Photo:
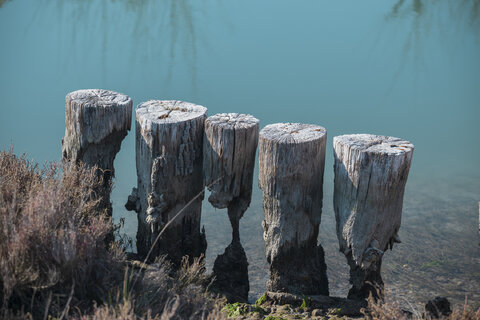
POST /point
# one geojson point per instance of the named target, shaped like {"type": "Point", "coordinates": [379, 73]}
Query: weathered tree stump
{"type": "Point", "coordinates": [169, 140]}
{"type": "Point", "coordinates": [292, 160]}
{"type": "Point", "coordinates": [229, 148]}
{"type": "Point", "coordinates": [96, 122]}
{"type": "Point", "coordinates": [370, 176]}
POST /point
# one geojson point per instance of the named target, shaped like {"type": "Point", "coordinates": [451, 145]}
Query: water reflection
{"type": "Point", "coordinates": [423, 16]}
{"type": "Point", "coordinates": [461, 10]}
{"type": "Point", "coordinates": [163, 31]}
{"type": "Point", "coordinates": [170, 23]}
{"type": "Point", "coordinates": [2, 2]}
{"type": "Point", "coordinates": [230, 272]}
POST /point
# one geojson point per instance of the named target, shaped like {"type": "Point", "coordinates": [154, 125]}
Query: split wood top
{"type": "Point", "coordinates": [292, 133]}
{"type": "Point", "coordinates": [99, 98]}
{"type": "Point", "coordinates": [233, 121]}
{"type": "Point", "coordinates": [168, 111]}
{"type": "Point", "coordinates": [92, 115]}
{"type": "Point", "coordinates": [374, 144]}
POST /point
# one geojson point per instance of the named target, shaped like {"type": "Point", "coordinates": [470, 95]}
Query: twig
{"type": "Point", "coordinates": [166, 226]}
{"type": "Point", "coordinates": [67, 306]}
{"type": "Point", "coordinates": [49, 300]}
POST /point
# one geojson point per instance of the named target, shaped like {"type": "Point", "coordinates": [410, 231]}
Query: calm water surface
{"type": "Point", "coordinates": [406, 68]}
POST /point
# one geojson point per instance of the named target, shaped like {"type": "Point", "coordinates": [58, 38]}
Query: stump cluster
{"type": "Point", "coordinates": [179, 151]}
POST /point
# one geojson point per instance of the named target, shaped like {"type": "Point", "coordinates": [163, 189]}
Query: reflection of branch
{"type": "Point", "coordinates": [423, 14]}
{"type": "Point", "coordinates": [458, 10]}
{"type": "Point", "coordinates": [171, 22]}
{"type": "Point", "coordinates": [159, 30]}
{"type": "Point", "coordinates": [2, 2]}
{"type": "Point", "coordinates": [396, 8]}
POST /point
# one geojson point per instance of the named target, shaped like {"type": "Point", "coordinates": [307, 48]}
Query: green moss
{"type": "Point", "coordinates": [260, 310]}
{"type": "Point", "coordinates": [261, 300]}
{"type": "Point", "coordinates": [274, 318]}
{"type": "Point", "coordinates": [235, 309]}
{"type": "Point", "coordinates": [335, 311]}
{"type": "Point", "coordinates": [306, 302]}
{"type": "Point", "coordinates": [238, 309]}
{"type": "Point", "coordinates": [431, 264]}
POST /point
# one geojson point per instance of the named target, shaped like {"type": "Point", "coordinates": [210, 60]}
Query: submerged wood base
{"type": "Point", "coordinates": [230, 272]}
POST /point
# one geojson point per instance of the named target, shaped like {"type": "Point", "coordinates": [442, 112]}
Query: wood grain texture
{"type": "Point", "coordinates": [169, 139]}
{"type": "Point", "coordinates": [292, 160]}
{"type": "Point", "coordinates": [96, 122]}
{"type": "Point", "coordinates": [370, 176]}
{"type": "Point", "coordinates": [229, 149]}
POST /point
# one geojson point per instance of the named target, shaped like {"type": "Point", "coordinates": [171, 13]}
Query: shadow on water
{"type": "Point", "coordinates": [230, 272]}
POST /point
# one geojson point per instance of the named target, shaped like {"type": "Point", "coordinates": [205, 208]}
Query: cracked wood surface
{"type": "Point", "coordinates": [229, 148]}
{"type": "Point", "coordinates": [292, 160]}
{"type": "Point", "coordinates": [169, 138]}
{"type": "Point", "coordinates": [370, 176]}
{"type": "Point", "coordinates": [96, 122]}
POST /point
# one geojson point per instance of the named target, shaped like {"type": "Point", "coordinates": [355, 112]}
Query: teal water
{"type": "Point", "coordinates": [406, 68]}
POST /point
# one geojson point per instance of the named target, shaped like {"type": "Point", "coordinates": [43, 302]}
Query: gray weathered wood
{"type": "Point", "coordinates": [292, 160]}
{"type": "Point", "coordinates": [229, 149]}
{"type": "Point", "coordinates": [370, 176]}
{"type": "Point", "coordinates": [96, 122]}
{"type": "Point", "coordinates": [169, 140]}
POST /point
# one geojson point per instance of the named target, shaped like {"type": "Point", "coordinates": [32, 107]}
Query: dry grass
{"type": "Point", "coordinates": [52, 237]}
{"type": "Point", "coordinates": [54, 259]}
{"type": "Point", "coordinates": [391, 310]}
{"type": "Point", "coordinates": [55, 262]}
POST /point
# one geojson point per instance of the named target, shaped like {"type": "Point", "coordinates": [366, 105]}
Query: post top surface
{"type": "Point", "coordinates": [293, 132]}
{"type": "Point", "coordinates": [374, 143]}
{"type": "Point", "coordinates": [169, 111]}
{"type": "Point", "coordinates": [233, 120]}
{"type": "Point", "coordinates": [98, 98]}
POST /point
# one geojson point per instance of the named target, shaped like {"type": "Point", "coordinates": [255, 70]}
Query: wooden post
{"type": "Point", "coordinates": [96, 122]}
{"type": "Point", "coordinates": [370, 176]}
{"type": "Point", "coordinates": [169, 139]}
{"type": "Point", "coordinates": [229, 148]}
{"type": "Point", "coordinates": [292, 160]}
